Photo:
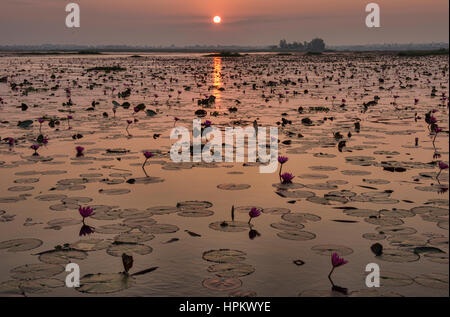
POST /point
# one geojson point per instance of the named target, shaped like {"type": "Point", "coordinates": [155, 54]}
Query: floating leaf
{"type": "Point", "coordinates": [224, 256]}
{"type": "Point", "coordinates": [105, 283]}
{"type": "Point", "coordinates": [231, 270]}
{"type": "Point", "coordinates": [19, 245]}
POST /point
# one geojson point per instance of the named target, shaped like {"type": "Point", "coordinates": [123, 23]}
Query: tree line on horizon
{"type": "Point", "coordinates": [315, 45]}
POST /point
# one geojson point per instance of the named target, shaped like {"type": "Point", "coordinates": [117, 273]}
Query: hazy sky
{"type": "Point", "coordinates": [245, 22]}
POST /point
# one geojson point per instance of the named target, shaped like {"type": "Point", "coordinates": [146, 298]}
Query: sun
{"type": "Point", "coordinates": [217, 19]}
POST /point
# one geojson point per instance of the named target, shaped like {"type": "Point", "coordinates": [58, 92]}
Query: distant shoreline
{"type": "Point", "coordinates": [218, 53]}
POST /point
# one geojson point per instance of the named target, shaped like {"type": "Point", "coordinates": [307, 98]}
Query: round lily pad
{"type": "Point", "coordinates": [231, 270]}
{"type": "Point", "coordinates": [287, 226]}
{"type": "Point", "coordinates": [398, 213]}
{"type": "Point", "coordinates": [196, 213]}
{"type": "Point", "coordinates": [395, 230]}
{"type": "Point", "coordinates": [50, 197]}
{"type": "Point", "coordinates": [232, 186]}
{"type": "Point", "coordinates": [276, 211]}
{"type": "Point", "coordinates": [38, 286]}
{"type": "Point", "coordinates": [295, 194]}
{"type": "Point", "coordinates": [148, 180]}
{"type": "Point", "coordinates": [399, 256]}
{"type": "Point", "coordinates": [105, 283]}
{"type": "Point", "coordinates": [114, 191]}
{"type": "Point", "coordinates": [36, 271]}
{"type": "Point", "coordinates": [133, 237]}
{"type": "Point", "coordinates": [113, 228]}
{"type": "Point", "coordinates": [329, 249]}
{"type": "Point", "coordinates": [62, 222]}
{"type": "Point", "coordinates": [300, 217]}
{"type": "Point", "coordinates": [376, 181]}
{"type": "Point", "coordinates": [160, 228]}
{"type": "Point", "coordinates": [90, 245]}
{"type": "Point", "coordinates": [433, 280]}
{"type": "Point", "coordinates": [224, 256]}
{"type": "Point", "coordinates": [162, 210]}
{"type": "Point", "coordinates": [117, 249]}
{"type": "Point", "coordinates": [374, 236]}
{"type": "Point", "coordinates": [139, 222]}
{"type": "Point", "coordinates": [194, 204]}
{"type": "Point", "coordinates": [63, 256]}
{"type": "Point", "coordinates": [443, 224]}
{"type": "Point", "coordinates": [394, 279]}
{"type": "Point", "coordinates": [19, 245]}
{"type": "Point", "coordinates": [361, 213]}
{"type": "Point", "coordinates": [296, 235]}
{"type": "Point", "coordinates": [384, 221]}
{"type": "Point", "coordinates": [229, 226]}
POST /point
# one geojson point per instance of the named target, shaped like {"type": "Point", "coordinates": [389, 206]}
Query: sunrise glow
{"type": "Point", "coordinates": [217, 19]}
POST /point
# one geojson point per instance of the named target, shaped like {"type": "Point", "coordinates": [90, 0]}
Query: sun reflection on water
{"type": "Point", "coordinates": [217, 80]}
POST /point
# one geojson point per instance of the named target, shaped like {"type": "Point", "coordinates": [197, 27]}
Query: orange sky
{"type": "Point", "coordinates": [252, 22]}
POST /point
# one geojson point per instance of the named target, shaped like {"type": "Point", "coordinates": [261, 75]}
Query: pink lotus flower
{"type": "Point", "coordinates": [433, 119]}
{"type": "Point", "coordinates": [35, 147]}
{"type": "Point", "coordinates": [10, 141]}
{"type": "Point", "coordinates": [128, 125]}
{"type": "Point", "coordinates": [437, 129]}
{"type": "Point", "coordinates": [253, 213]}
{"type": "Point", "coordinates": [207, 123]}
{"type": "Point", "coordinates": [336, 261]}
{"type": "Point", "coordinates": [41, 120]}
{"type": "Point", "coordinates": [136, 109]}
{"type": "Point", "coordinates": [442, 166]}
{"type": "Point", "coordinates": [147, 155]}
{"type": "Point", "coordinates": [85, 211]}
{"type": "Point", "coordinates": [282, 159]}
{"type": "Point", "coordinates": [286, 178]}
{"type": "Point", "coordinates": [79, 150]}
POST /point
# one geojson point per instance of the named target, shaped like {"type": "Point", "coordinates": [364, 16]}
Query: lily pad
{"type": "Point", "coordinates": [36, 271]}
{"type": "Point", "coordinates": [231, 186]}
{"type": "Point", "coordinates": [398, 256]}
{"type": "Point", "coordinates": [231, 270]}
{"type": "Point", "coordinates": [117, 249]}
{"type": "Point", "coordinates": [229, 226]}
{"type": "Point", "coordinates": [329, 249]}
{"type": "Point", "coordinates": [20, 245]}
{"type": "Point", "coordinates": [105, 283]}
{"type": "Point", "coordinates": [433, 280]}
{"type": "Point", "coordinates": [160, 229]}
{"type": "Point", "coordinates": [224, 256]}
{"type": "Point", "coordinates": [296, 235]}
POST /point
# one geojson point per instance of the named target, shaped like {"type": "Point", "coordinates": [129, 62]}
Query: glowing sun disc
{"type": "Point", "coordinates": [217, 19]}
